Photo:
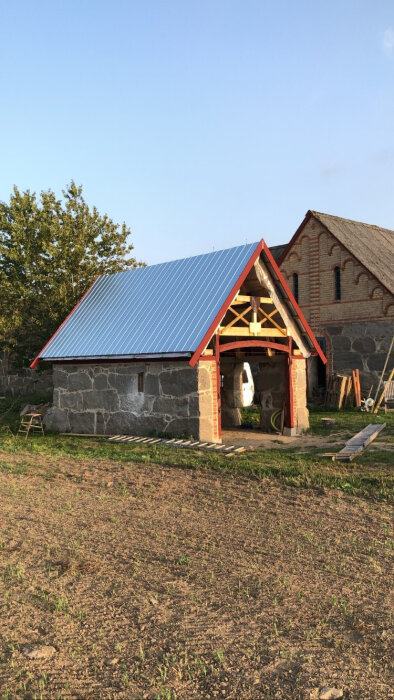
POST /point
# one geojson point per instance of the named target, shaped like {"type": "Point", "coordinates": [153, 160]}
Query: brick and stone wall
{"type": "Point", "coordinates": [359, 326]}
{"type": "Point", "coordinates": [362, 346]}
{"type": "Point", "coordinates": [104, 399]}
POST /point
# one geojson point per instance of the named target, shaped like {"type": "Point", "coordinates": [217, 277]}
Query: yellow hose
{"type": "Point", "coordinates": [274, 416]}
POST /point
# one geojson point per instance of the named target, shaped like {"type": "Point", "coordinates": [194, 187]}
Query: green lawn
{"type": "Point", "coordinates": [370, 475]}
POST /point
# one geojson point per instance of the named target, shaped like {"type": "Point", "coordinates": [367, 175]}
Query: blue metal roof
{"type": "Point", "coordinates": [159, 309]}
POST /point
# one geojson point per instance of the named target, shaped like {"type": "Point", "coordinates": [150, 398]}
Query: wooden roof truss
{"type": "Point", "coordinates": [252, 320]}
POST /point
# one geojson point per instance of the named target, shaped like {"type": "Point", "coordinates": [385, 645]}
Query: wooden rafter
{"type": "Point", "coordinates": [239, 317]}
{"type": "Point", "coordinates": [268, 317]}
{"type": "Point", "coordinates": [252, 327]}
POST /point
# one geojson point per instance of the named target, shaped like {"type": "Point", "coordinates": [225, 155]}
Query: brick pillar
{"type": "Point", "coordinates": [208, 401]}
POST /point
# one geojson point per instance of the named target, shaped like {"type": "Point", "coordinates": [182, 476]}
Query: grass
{"type": "Point", "coordinates": [370, 475]}
{"type": "Point", "coordinates": [158, 572]}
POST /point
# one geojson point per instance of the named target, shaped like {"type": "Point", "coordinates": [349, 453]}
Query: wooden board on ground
{"type": "Point", "coordinates": [357, 443]}
{"type": "Point", "coordinates": [228, 450]}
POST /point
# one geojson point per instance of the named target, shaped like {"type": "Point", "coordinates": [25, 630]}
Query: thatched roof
{"type": "Point", "coordinates": [372, 246]}
{"type": "Point", "coordinates": [277, 250]}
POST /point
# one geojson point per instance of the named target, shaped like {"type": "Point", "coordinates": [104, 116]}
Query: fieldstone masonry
{"type": "Point", "coordinates": [362, 346]}
{"type": "Point", "coordinates": [24, 382]}
{"type": "Point", "coordinates": [104, 399]}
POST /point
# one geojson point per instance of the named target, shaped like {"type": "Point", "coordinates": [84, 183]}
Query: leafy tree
{"type": "Point", "coordinates": [51, 250]}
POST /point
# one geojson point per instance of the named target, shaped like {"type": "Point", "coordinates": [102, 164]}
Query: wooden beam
{"type": "Point", "coordinates": [245, 298]}
{"type": "Point", "coordinates": [264, 332]}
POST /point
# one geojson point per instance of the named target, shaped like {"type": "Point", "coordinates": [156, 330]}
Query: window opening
{"type": "Point", "coordinates": [141, 381]}
{"type": "Point", "coordinates": [295, 286]}
{"type": "Point", "coordinates": [337, 283]}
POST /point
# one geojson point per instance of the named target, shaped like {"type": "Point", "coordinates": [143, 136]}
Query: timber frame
{"type": "Point", "coordinates": [256, 322]}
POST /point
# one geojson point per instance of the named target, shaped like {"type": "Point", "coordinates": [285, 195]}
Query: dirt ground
{"type": "Point", "coordinates": [154, 582]}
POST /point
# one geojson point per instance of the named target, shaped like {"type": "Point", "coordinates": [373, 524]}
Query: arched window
{"type": "Point", "coordinates": [295, 286]}
{"type": "Point", "coordinates": [337, 283]}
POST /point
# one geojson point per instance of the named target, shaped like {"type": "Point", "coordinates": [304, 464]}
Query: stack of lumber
{"type": "Point", "coordinates": [356, 387]}
{"type": "Point", "coordinates": [343, 390]}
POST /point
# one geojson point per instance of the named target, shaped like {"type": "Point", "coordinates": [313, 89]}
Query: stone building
{"type": "Point", "coordinates": [159, 349]}
{"type": "Point", "coordinates": [342, 274]}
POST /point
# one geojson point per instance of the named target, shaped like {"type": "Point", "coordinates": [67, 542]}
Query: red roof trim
{"type": "Point", "coordinates": [38, 358]}
{"type": "Point", "coordinates": [293, 302]}
{"type": "Point", "coordinates": [208, 335]}
{"type": "Point", "coordinates": [262, 247]}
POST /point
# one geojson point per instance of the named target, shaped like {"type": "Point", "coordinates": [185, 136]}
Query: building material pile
{"type": "Point", "coordinates": [343, 391]}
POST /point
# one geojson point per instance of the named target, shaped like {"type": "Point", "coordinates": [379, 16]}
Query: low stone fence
{"type": "Point", "coordinates": [25, 382]}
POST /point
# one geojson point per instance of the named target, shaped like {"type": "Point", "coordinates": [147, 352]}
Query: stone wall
{"type": "Point", "coordinates": [104, 399]}
{"type": "Point", "coordinates": [25, 382]}
{"type": "Point", "coordinates": [360, 346]}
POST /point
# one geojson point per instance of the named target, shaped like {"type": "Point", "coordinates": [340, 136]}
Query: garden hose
{"type": "Point", "coordinates": [274, 417]}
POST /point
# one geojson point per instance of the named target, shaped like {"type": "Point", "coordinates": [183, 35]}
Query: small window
{"type": "Point", "coordinates": [244, 376]}
{"type": "Point", "coordinates": [141, 378]}
{"type": "Point", "coordinates": [337, 283]}
{"type": "Point", "coordinates": [295, 286]}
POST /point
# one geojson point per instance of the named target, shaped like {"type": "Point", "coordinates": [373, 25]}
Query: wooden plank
{"type": "Point", "coordinates": [359, 442]}
{"type": "Point", "coordinates": [376, 409]}
{"type": "Point", "coordinates": [263, 333]}
{"type": "Point", "coordinates": [244, 298]}
{"type": "Point", "coordinates": [342, 390]}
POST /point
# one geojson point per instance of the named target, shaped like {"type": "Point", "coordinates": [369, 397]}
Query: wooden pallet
{"type": "Point", "coordinates": [357, 444]}
{"type": "Point", "coordinates": [227, 450]}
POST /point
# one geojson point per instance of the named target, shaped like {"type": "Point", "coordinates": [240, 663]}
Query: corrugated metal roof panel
{"type": "Point", "coordinates": [164, 308]}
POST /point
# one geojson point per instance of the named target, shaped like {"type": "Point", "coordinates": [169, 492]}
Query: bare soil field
{"type": "Point", "coordinates": [154, 581]}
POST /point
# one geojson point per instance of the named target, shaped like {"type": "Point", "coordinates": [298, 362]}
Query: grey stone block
{"type": "Point", "coordinates": [171, 406]}
{"type": "Point", "coordinates": [82, 422]}
{"type": "Point", "coordinates": [79, 380]}
{"type": "Point", "coordinates": [101, 423]}
{"type": "Point", "coordinates": [133, 403]}
{"type": "Point", "coordinates": [347, 360]}
{"type": "Point", "coordinates": [123, 383]}
{"type": "Point", "coordinates": [179, 382]}
{"type": "Point", "coordinates": [335, 330]}
{"type": "Point", "coordinates": [123, 423]}
{"type": "Point", "coordinates": [71, 399]}
{"type": "Point", "coordinates": [364, 345]}
{"type": "Point", "coordinates": [57, 420]}
{"type": "Point", "coordinates": [100, 381]}
{"type": "Point", "coordinates": [152, 384]}
{"type": "Point", "coordinates": [194, 405]}
{"type": "Point", "coordinates": [376, 362]}
{"type": "Point", "coordinates": [183, 426]}
{"type": "Point", "coordinates": [60, 378]}
{"type": "Point", "coordinates": [106, 399]}
{"type": "Point", "coordinates": [341, 343]}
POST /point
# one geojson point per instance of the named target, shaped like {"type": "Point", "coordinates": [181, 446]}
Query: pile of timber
{"type": "Point", "coordinates": [343, 390]}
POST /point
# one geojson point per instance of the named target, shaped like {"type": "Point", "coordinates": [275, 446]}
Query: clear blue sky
{"type": "Point", "coordinates": [202, 123]}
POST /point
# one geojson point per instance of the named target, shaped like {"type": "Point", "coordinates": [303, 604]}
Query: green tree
{"type": "Point", "coordinates": [51, 250]}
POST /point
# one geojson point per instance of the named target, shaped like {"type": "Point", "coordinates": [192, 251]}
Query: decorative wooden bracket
{"type": "Point", "coordinates": [256, 321]}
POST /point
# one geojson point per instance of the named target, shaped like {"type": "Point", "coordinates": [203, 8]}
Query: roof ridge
{"type": "Point", "coordinates": [351, 221]}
